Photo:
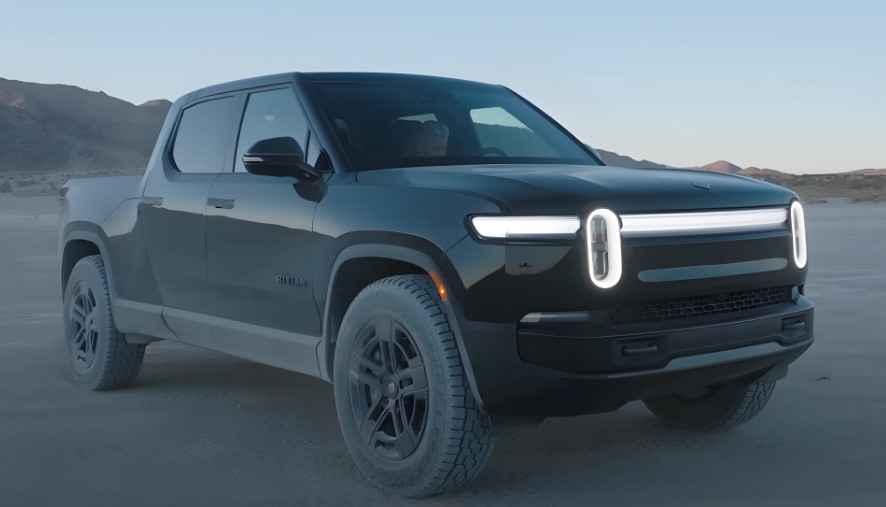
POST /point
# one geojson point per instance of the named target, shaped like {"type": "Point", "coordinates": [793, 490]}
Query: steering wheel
{"type": "Point", "coordinates": [498, 152]}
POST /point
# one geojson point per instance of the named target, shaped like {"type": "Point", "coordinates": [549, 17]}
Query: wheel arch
{"type": "Point", "coordinates": [82, 240]}
{"type": "Point", "coordinates": [359, 265]}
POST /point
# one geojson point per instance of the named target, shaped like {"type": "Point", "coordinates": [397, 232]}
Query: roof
{"type": "Point", "coordinates": [288, 77]}
{"type": "Point", "coordinates": [253, 82]}
{"type": "Point", "coordinates": [377, 76]}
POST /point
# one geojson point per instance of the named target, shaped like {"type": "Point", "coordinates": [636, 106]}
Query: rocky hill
{"type": "Point", "coordinates": [614, 159]}
{"type": "Point", "coordinates": [59, 127]}
{"type": "Point", "coordinates": [866, 185]}
{"type": "Point", "coordinates": [721, 166]}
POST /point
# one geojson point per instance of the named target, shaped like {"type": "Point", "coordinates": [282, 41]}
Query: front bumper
{"type": "Point", "coordinates": [542, 372]}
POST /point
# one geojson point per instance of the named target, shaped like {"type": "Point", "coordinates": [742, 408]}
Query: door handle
{"type": "Point", "coordinates": [152, 201]}
{"type": "Point", "coordinates": [220, 203]}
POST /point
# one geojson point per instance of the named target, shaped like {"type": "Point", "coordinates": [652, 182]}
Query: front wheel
{"type": "Point", "coordinates": [405, 408]}
{"type": "Point", "coordinates": [716, 408]}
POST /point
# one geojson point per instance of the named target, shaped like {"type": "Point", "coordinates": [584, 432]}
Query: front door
{"type": "Point", "coordinates": [258, 244]}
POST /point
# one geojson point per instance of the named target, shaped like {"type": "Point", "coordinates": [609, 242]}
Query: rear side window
{"type": "Point", "coordinates": [274, 113]}
{"type": "Point", "coordinates": [202, 136]}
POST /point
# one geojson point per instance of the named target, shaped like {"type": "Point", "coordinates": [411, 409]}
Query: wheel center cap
{"type": "Point", "coordinates": [391, 388]}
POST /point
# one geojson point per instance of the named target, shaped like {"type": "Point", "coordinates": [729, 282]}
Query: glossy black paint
{"type": "Point", "coordinates": [577, 190]}
{"type": "Point", "coordinates": [197, 257]}
{"type": "Point", "coordinates": [267, 233]}
{"type": "Point", "coordinates": [745, 350]}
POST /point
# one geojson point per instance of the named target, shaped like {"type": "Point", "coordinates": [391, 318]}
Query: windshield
{"type": "Point", "coordinates": [424, 122]}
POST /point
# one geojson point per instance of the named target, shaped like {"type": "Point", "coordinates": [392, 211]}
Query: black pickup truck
{"type": "Point", "coordinates": [445, 254]}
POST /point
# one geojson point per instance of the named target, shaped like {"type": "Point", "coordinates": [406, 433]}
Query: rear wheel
{"type": "Point", "coordinates": [405, 408]}
{"type": "Point", "coordinates": [99, 356]}
{"type": "Point", "coordinates": [716, 408]}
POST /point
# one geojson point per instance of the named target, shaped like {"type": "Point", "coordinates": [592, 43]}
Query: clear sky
{"type": "Point", "coordinates": [796, 86]}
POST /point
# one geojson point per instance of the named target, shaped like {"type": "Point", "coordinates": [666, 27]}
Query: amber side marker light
{"type": "Point", "coordinates": [439, 283]}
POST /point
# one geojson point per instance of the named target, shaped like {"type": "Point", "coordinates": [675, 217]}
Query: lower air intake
{"type": "Point", "coordinates": [699, 306]}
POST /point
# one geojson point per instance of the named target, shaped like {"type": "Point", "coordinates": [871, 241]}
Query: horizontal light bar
{"type": "Point", "coordinates": [703, 221]}
{"type": "Point", "coordinates": [541, 227]}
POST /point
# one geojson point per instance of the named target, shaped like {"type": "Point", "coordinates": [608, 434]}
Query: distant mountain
{"type": "Point", "coordinates": [59, 127]}
{"type": "Point", "coordinates": [721, 166]}
{"type": "Point", "coordinates": [756, 171]}
{"type": "Point", "coordinates": [614, 159]}
{"type": "Point", "coordinates": [870, 171]}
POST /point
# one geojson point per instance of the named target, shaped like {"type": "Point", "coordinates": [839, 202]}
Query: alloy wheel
{"type": "Point", "coordinates": [388, 389]}
{"type": "Point", "coordinates": [84, 328]}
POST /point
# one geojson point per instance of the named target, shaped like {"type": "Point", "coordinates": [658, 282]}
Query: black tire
{"type": "Point", "coordinates": [99, 356]}
{"type": "Point", "coordinates": [720, 408]}
{"type": "Point", "coordinates": [404, 316]}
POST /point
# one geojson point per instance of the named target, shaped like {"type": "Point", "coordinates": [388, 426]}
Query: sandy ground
{"type": "Point", "coordinates": [202, 428]}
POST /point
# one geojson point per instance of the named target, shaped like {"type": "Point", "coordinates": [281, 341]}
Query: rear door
{"type": "Point", "coordinates": [258, 243]}
{"type": "Point", "coordinates": [171, 211]}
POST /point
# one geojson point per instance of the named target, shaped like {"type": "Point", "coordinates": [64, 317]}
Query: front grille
{"type": "Point", "coordinates": [699, 306]}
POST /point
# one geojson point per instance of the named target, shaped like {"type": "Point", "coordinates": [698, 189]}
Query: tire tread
{"type": "Point", "coordinates": [748, 401]}
{"type": "Point", "coordinates": [467, 443]}
{"type": "Point", "coordinates": [122, 361]}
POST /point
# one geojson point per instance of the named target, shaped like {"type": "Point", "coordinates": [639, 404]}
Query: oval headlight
{"type": "Point", "coordinates": [798, 234]}
{"type": "Point", "coordinates": [604, 248]}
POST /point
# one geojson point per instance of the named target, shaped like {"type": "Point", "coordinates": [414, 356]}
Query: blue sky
{"type": "Point", "coordinates": [796, 86]}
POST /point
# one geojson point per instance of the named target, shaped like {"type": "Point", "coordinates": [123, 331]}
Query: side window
{"type": "Point", "coordinates": [500, 133]}
{"type": "Point", "coordinates": [274, 113]}
{"type": "Point", "coordinates": [201, 139]}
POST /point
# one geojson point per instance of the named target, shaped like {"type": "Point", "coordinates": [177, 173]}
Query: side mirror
{"type": "Point", "coordinates": [279, 156]}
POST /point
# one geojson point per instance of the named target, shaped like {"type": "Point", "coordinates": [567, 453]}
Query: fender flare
{"type": "Point", "coordinates": [86, 231]}
{"type": "Point", "coordinates": [447, 276]}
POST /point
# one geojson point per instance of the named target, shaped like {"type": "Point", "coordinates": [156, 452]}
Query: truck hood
{"type": "Point", "coordinates": [561, 189]}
